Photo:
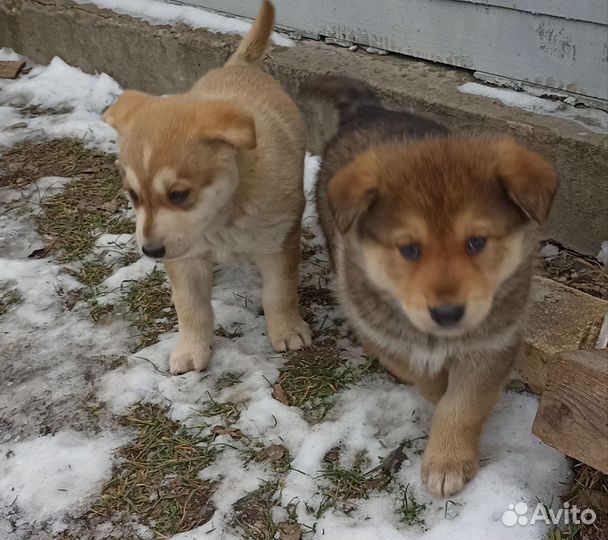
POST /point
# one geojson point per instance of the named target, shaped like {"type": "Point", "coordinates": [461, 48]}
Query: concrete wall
{"type": "Point", "coordinates": [163, 59]}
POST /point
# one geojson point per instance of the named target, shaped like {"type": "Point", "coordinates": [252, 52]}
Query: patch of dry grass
{"type": "Point", "coordinates": [229, 411]}
{"type": "Point", "coordinates": [100, 311]}
{"type": "Point", "coordinates": [157, 477]}
{"type": "Point", "coordinates": [276, 454]}
{"type": "Point", "coordinates": [76, 217]}
{"type": "Point", "coordinates": [317, 302]}
{"type": "Point", "coordinates": [343, 485]}
{"type": "Point", "coordinates": [590, 490]}
{"type": "Point", "coordinates": [236, 331]}
{"type": "Point", "coordinates": [312, 376]}
{"type": "Point", "coordinates": [253, 514]}
{"type": "Point", "coordinates": [26, 162]}
{"type": "Point", "coordinates": [410, 510]}
{"type": "Point", "coordinates": [150, 301]}
{"type": "Point", "coordinates": [92, 273]}
{"type": "Point", "coordinates": [227, 379]}
{"type": "Point", "coordinates": [87, 207]}
{"type": "Point", "coordinates": [9, 297]}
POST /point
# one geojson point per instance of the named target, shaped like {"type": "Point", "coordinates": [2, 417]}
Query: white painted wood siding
{"type": "Point", "coordinates": [561, 44]}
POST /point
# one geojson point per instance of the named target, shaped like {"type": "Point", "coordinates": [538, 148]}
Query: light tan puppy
{"type": "Point", "coordinates": [215, 173]}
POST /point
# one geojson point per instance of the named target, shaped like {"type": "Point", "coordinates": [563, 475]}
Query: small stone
{"type": "Point", "coordinates": [289, 531]}
{"type": "Point", "coordinates": [516, 386]}
{"type": "Point", "coordinates": [274, 452]}
{"type": "Point", "coordinates": [549, 250]}
{"type": "Point", "coordinates": [332, 456]}
{"type": "Point", "coordinates": [375, 50]}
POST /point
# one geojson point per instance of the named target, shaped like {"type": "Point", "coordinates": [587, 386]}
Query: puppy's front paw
{"type": "Point", "coordinates": [189, 356]}
{"type": "Point", "coordinates": [289, 333]}
{"type": "Point", "coordinates": [445, 475]}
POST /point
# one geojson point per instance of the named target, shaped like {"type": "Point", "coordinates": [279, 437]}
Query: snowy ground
{"type": "Point", "coordinates": [68, 383]}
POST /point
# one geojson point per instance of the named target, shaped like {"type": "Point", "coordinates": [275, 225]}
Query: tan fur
{"type": "Point", "coordinates": [253, 46]}
{"type": "Point", "coordinates": [235, 143]}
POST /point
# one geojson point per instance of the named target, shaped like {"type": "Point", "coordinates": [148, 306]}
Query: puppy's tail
{"type": "Point", "coordinates": [252, 48]}
{"type": "Point", "coordinates": [348, 95]}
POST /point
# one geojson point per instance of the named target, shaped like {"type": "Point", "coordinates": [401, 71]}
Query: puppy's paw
{"type": "Point", "coordinates": [289, 333]}
{"type": "Point", "coordinates": [189, 356]}
{"type": "Point", "coordinates": [444, 476]}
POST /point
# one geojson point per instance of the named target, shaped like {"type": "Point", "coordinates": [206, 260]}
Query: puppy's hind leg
{"type": "Point", "coordinates": [191, 281]}
{"type": "Point", "coordinates": [286, 328]}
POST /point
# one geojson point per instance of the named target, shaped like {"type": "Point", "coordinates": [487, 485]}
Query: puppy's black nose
{"type": "Point", "coordinates": [447, 315]}
{"type": "Point", "coordinates": [155, 253]}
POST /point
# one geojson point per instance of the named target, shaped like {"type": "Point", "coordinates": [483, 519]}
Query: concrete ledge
{"type": "Point", "coordinates": [167, 59]}
{"type": "Point", "coordinates": [561, 320]}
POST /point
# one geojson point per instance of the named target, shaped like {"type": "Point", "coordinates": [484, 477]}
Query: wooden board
{"type": "Point", "coordinates": [11, 69]}
{"type": "Point", "coordinates": [573, 412]}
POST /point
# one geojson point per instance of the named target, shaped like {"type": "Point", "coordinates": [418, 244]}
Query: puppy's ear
{"type": "Point", "coordinates": [527, 178]}
{"type": "Point", "coordinates": [219, 121]}
{"type": "Point", "coordinates": [351, 191]}
{"type": "Point", "coordinates": [120, 115]}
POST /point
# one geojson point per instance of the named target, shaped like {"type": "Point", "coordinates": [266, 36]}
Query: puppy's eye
{"type": "Point", "coordinates": [411, 252]}
{"type": "Point", "coordinates": [475, 245]}
{"type": "Point", "coordinates": [133, 196]}
{"type": "Point", "coordinates": [178, 197]}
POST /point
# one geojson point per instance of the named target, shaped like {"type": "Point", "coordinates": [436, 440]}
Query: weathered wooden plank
{"type": "Point", "coordinates": [10, 69]}
{"type": "Point", "coordinates": [561, 319]}
{"type": "Point", "coordinates": [573, 412]}
{"type": "Point", "coordinates": [518, 41]}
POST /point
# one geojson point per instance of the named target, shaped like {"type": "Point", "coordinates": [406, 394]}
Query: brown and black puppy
{"type": "Point", "coordinates": [433, 239]}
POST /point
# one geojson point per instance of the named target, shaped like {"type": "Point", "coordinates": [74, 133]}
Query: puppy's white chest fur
{"type": "Point", "coordinates": [419, 357]}
{"type": "Point", "coordinates": [247, 238]}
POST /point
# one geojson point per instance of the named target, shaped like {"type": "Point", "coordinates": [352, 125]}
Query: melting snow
{"type": "Point", "coordinates": [593, 119]}
{"type": "Point", "coordinates": [163, 13]}
{"type": "Point", "coordinates": [75, 98]}
{"type": "Point", "coordinates": [47, 475]}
